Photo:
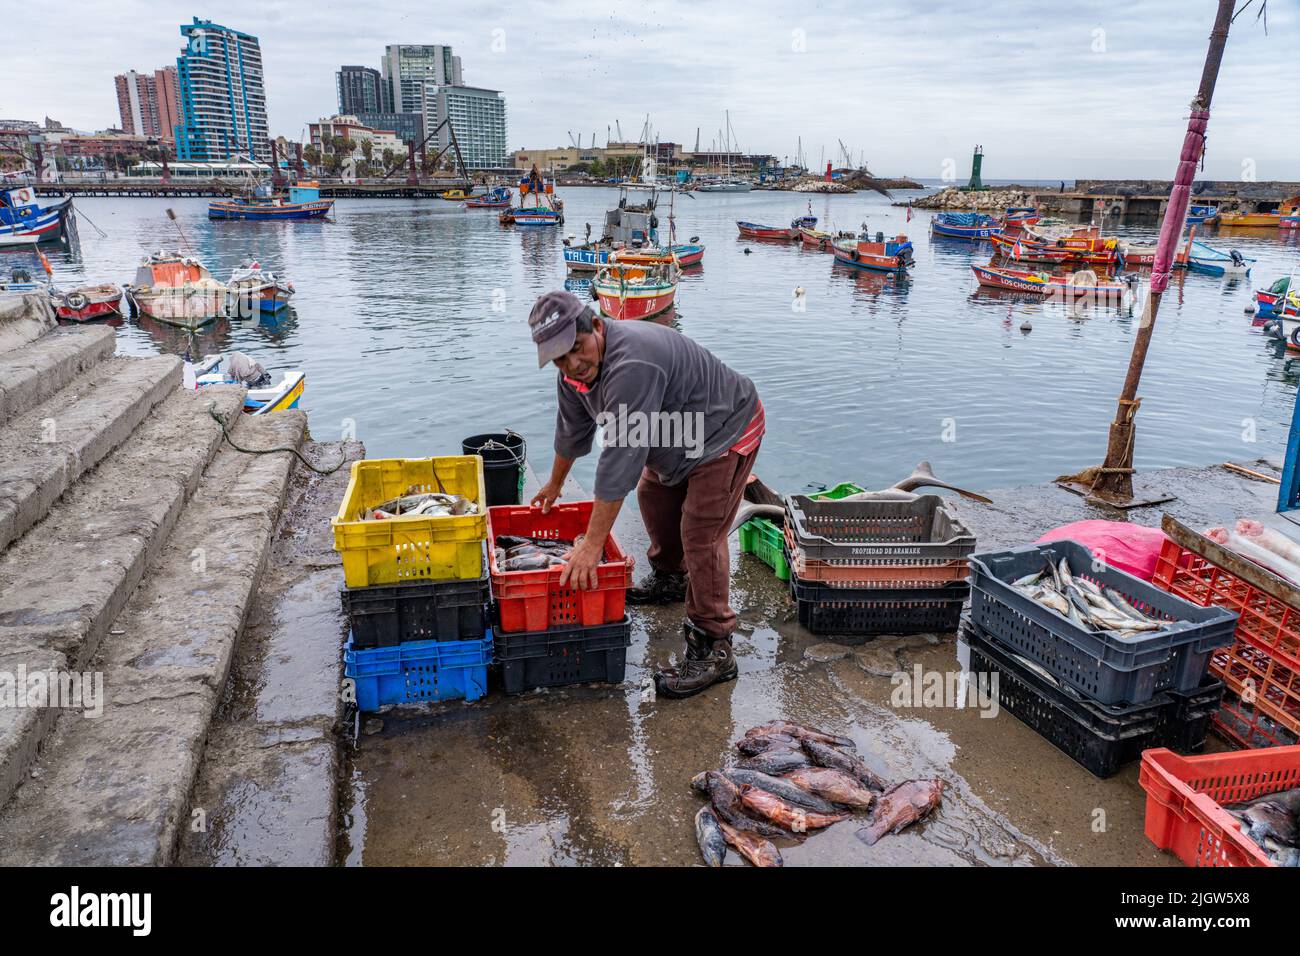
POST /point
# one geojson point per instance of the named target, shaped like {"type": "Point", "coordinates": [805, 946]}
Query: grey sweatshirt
{"type": "Point", "coordinates": [662, 400]}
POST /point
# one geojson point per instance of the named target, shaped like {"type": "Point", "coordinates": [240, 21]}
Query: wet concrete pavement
{"type": "Point", "coordinates": [599, 775]}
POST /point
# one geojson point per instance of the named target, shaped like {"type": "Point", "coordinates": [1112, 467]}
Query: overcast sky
{"type": "Point", "coordinates": [1051, 89]}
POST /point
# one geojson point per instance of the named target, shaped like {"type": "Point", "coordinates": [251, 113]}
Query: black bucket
{"type": "Point", "coordinates": [503, 454]}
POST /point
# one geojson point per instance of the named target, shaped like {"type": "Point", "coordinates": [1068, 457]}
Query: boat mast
{"type": "Point", "coordinates": [1114, 480]}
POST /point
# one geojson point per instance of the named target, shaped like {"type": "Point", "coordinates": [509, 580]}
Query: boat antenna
{"type": "Point", "coordinates": [171, 214]}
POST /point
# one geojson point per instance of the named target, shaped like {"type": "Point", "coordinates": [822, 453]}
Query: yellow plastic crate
{"type": "Point", "coordinates": [419, 548]}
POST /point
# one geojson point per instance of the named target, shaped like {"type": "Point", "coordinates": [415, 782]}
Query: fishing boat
{"type": "Point", "coordinates": [724, 186]}
{"type": "Point", "coordinates": [303, 202]}
{"type": "Point", "coordinates": [636, 289]}
{"type": "Point", "coordinates": [754, 230]}
{"type": "Point", "coordinates": [820, 239]}
{"type": "Point", "coordinates": [688, 253]}
{"type": "Point", "coordinates": [545, 209]}
{"type": "Point", "coordinates": [496, 198]}
{"type": "Point", "coordinates": [88, 302]}
{"type": "Point", "coordinates": [1278, 299]}
{"type": "Point", "coordinates": [1201, 214]}
{"type": "Point", "coordinates": [964, 225]}
{"type": "Point", "coordinates": [1081, 283]}
{"type": "Point", "coordinates": [253, 290]}
{"type": "Point", "coordinates": [632, 223]}
{"type": "Point", "coordinates": [264, 395]}
{"type": "Point", "coordinates": [1018, 217]}
{"type": "Point", "coordinates": [1136, 254]}
{"type": "Point", "coordinates": [24, 221]}
{"type": "Point", "coordinates": [878, 255]}
{"type": "Point", "coordinates": [1079, 246]}
{"type": "Point", "coordinates": [457, 195]}
{"type": "Point", "coordinates": [177, 290]}
{"type": "Point", "coordinates": [1214, 262]}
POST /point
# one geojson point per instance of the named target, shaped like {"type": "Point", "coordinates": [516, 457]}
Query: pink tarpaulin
{"type": "Point", "coordinates": [1128, 547]}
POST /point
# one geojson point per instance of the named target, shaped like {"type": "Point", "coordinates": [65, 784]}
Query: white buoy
{"type": "Point", "coordinates": [1026, 326]}
{"type": "Point", "coordinates": [1250, 309]}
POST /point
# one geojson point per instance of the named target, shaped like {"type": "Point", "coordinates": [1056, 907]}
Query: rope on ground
{"type": "Point", "coordinates": [212, 410]}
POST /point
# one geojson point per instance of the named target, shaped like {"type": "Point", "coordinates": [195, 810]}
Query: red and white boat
{"type": "Point", "coordinates": [88, 302]}
{"type": "Point", "coordinates": [886, 255]}
{"type": "Point", "coordinates": [1079, 284]}
{"type": "Point", "coordinates": [639, 287]}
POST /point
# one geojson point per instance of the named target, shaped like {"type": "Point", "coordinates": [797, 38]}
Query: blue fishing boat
{"type": "Point", "coordinates": [1199, 214]}
{"type": "Point", "coordinates": [964, 225]}
{"type": "Point", "coordinates": [24, 221]}
{"type": "Point", "coordinates": [303, 202]}
{"type": "Point", "coordinates": [1214, 262]}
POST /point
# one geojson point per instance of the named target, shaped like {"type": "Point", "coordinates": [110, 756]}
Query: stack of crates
{"type": "Point", "coordinates": [416, 589]}
{"type": "Point", "coordinates": [863, 568]}
{"type": "Point", "coordinates": [1100, 698]}
{"type": "Point", "coordinates": [546, 635]}
{"type": "Point", "coordinates": [765, 538]}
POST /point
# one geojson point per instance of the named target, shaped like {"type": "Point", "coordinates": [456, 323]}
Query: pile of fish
{"type": "Point", "coordinates": [1273, 821]}
{"type": "Point", "coordinates": [514, 553]}
{"type": "Point", "coordinates": [793, 780]}
{"type": "Point", "coordinates": [1265, 546]}
{"type": "Point", "coordinates": [430, 504]}
{"type": "Point", "coordinates": [1086, 604]}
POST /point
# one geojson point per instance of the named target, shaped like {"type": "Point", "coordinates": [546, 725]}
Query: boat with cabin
{"type": "Point", "coordinates": [545, 208]}
{"type": "Point", "coordinates": [874, 255]}
{"type": "Point", "coordinates": [302, 202]}
{"type": "Point", "coordinates": [176, 289]}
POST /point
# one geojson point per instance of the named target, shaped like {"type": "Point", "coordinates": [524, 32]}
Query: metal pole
{"type": "Point", "coordinates": [1115, 477]}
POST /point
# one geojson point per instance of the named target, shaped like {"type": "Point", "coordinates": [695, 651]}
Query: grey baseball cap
{"type": "Point", "coordinates": [554, 324]}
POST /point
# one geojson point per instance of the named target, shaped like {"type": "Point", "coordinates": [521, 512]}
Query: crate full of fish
{"type": "Point", "coordinates": [1229, 809]}
{"type": "Point", "coordinates": [1262, 666]}
{"type": "Point", "coordinates": [864, 612]}
{"type": "Point", "coordinates": [412, 519]}
{"type": "Point", "coordinates": [527, 551]}
{"type": "Point", "coordinates": [877, 532]}
{"type": "Point", "coordinates": [385, 615]}
{"type": "Point", "coordinates": [1109, 635]}
{"type": "Point", "coordinates": [563, 655]}
{"type": "Point", "coordinates": [418, 671]}
{"type": "Point", "coordinates": [1102, 738]}
{"type": "Point", "coordinates": [868, 574]}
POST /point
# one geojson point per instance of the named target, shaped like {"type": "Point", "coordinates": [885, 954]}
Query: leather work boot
{"type": "Point", "coordinates": [659, 587]}
{"type": "Point", "coordinates": [695, 674]}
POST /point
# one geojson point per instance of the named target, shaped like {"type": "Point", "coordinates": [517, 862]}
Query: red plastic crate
{"type": "Point", "coordinates": [534, 600]}
{"type": "Point", "coordinates": [1262, 667]}
{"type": "Point", "coordinates": [1186, 795]}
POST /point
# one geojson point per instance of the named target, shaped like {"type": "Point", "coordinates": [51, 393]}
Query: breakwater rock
{"type": "Point", "coordinates": [987, 200]}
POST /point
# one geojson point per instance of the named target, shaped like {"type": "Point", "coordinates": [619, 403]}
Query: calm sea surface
{"type": "Point", "coordinates": [410, 321]}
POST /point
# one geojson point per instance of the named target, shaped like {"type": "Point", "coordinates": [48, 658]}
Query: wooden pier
{"type": "Point", "coordinates": [153, 189]}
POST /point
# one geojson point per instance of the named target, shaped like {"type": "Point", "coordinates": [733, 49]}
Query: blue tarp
{"type": "Point", "coordinates": [965, 219]}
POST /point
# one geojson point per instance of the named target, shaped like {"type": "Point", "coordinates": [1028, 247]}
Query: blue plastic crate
{"type": "Point", "coordinates": [418, 671]}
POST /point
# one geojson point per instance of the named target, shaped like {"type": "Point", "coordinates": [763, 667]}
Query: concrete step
{"type": "Point", "coordinates": [24, 318]}
{"type": "Point", "coordinates": [113, 789]}
{"type": "Point", "coordinates": [34, 372]}
{"type": "Point", "coordinates": [44, 450]}
{"type": "Point", "coordinates": [67, 578]}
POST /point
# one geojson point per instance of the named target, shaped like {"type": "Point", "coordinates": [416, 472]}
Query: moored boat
{"type": "Point", "coordinates": [1082, 283]}
{"type": "Point", "coordinates": [546, 209]}
{"type": "Point", "coordinates": [688, 253]}
{"type": "Point", "coordinates": [1084, 245]}
{"type": "Point", "coordinates": [303, 202]}
{"type": "Point", "coordinates": [636, 289]}
{"type": "Point", "coordinates": [264, 394]}
{"type": "Point", "coordinates": [1201, 214]}
{"type": "Point", "coordinates": [24, 221]}
{"type": "Point", "coordinates": [879, 255]}
{"type": "Point", "coordinates": [1215, 262]}
{"type": "Point", "coordinates": [88, 302]}
{"type": "Point", "coordinates": [1278, 299]}
{"type": "Point", "coordinates": [820, 239]}
{"type": "Point", "coordinates": [754, 230]}
{"type": "Point", "coordinates": [964, 225]}
{"type": "Point", "coordinates": [177, 290]}
{"type": "Point", "coordinates": [496, 198]}
{"type": "Point", "coordinates": [253, 290]}
{"type": "Point", "coordinates": [631, 224]}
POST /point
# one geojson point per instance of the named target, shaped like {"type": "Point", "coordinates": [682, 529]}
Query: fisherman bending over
{"type": "Point", "coordinates": [681, 428]}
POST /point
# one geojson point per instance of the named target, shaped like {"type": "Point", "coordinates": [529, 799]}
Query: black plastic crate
{"type": "Point", "coordinates": [563, 655]}
{"type": "Point", "coordinates": [1099, 737]}
{"type": "Point", "coordinates": [425, 611]}
{"type": "Point", "coordinates": [864, 612]}
{"type": "Point", "coordinates": [922, 531]}
{"type": "Point", "coordinates": [1100, 664]}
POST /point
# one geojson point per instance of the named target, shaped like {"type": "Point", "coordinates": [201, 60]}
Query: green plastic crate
{"type": "Point", "coordinates": [765, 540]}
{"type": "Point", "coordinates": [842, 490]}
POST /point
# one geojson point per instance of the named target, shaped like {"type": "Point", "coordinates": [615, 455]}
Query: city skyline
{"type": "Point", "coordinates": [909, 91]}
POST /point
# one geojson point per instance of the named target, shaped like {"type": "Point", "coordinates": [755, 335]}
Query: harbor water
{"type": "Point", "coordinates": [410, 321]}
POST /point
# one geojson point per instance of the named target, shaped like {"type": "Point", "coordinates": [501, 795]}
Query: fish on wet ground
{"type": "Point", "coordinates": [751, 846]}
{"type": "Point", "coordinates": [725, 797]}
{"type": "Point", "coordinates": [799, 732]}
{"type": "Point", "coordinates": [783, 788]}
{"type": "Point", "coordinates": [834, 759]}
{"type": "Point", "coordinates": [708, 833]}
{"type": "Point", "coordinates": [775, 761]}
{"type": "Point", "coordinates": [835, 786]}
{"type": "Point", "coordinates": [900, 806]}
{"type": "Point", "coordinates": [749, 746]}
{"type": "Point", "coordinates": [768, 806]}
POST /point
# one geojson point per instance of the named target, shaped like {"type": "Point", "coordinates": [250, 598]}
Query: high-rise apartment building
{"type": "Point", "coordinates": [407, 68]}
{"type": "Point", "coordinates": [479, 118]}
{"type": "Point", "coordinates": [222, 95]}
{"type": "Point", "coordinates": [149, 104]}
{"type": "Point", "coordinates": [361, 89]}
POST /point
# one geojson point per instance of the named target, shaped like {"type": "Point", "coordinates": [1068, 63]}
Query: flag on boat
{"type": "Point", "coordinates": [1016, 250]}
{"type": "Point", "coordinates": [909, 211]}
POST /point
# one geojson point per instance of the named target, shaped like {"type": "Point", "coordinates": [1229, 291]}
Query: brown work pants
{"type": "Point", "coordinates": [688, 524]}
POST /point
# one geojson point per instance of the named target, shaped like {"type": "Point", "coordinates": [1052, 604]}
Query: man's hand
{"type": "Point", "coordinates": [546, 496]}
{"type": "Point", "coordinates": [580, 572]}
